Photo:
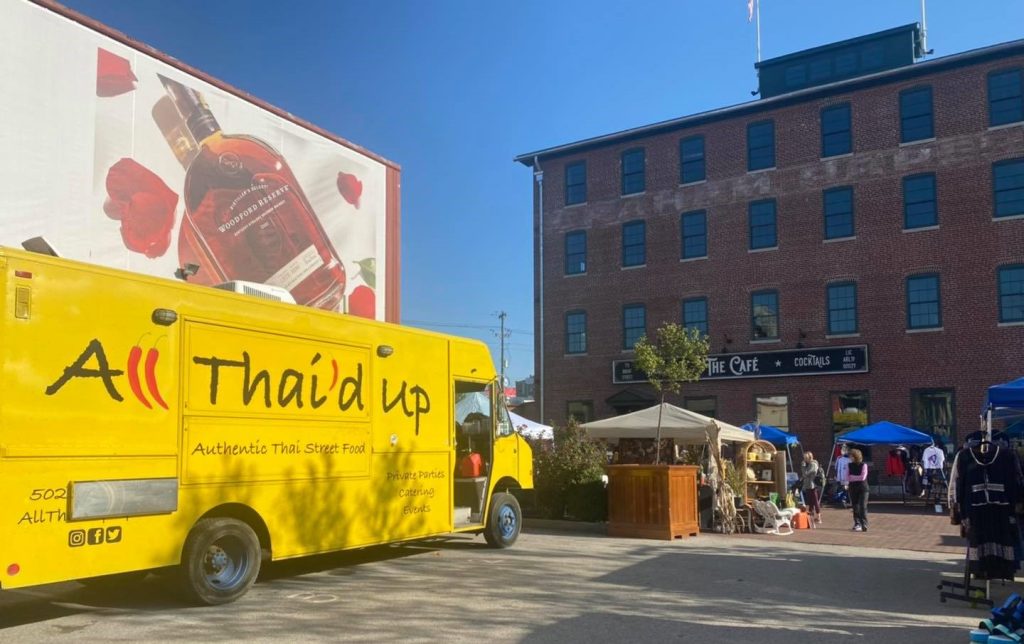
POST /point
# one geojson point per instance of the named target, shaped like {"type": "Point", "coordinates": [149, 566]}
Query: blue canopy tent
{"type": "Point", "coordinates": [885, 433]}
{"type": "Point", "coordinates": [1005, 402]}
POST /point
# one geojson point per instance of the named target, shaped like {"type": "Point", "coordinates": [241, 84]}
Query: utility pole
{"type": "Point", "coordinates": [502, 334]}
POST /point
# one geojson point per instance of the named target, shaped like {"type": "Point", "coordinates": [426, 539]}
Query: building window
{"type": "Point", "coordinates": [691, 159]}
{"type": "Point", "coordinates": [1008, 186]}
{"type": "Point", "coordinates": [695, 234]}
{"type": "Point", "coordinates": [1005, 99]}
{"type": "Point", "coordinates": [695, 314]}
{"type": "Point", "coordinates": [634, 243]}
{"type": "Point", "coordinates": [576, 252]}
{"type": "Point", "coordinates": [919, 209]}
{"type": "Point", "coordinates": [934, 414]}
{"type": "Point", "coordinates": [838, 213]}
{"type": "Point", "coordinates": [849, 411]}
{"type": "Point", "coordinates": [1011, 293]}
{"type": "Point", "coordinates": [773, 411]}
{"type": "Point", "coordinates": [761, 145]}
{"type": "Point", "coordinates": [633, 171]}
{"type": "Point", "coordinates": [842, 308]}
{"type": "Point", "coordinates": [705, 405]}
{"type": "Point", "coordinates": [576, 332]}
{"type": "Point", "coordinates": [581, 410]}
{"type": "Point", "coordinates": [835, 131]}
{"type": "Point", "coordinates": [575, 183]}
{"type": "Point", "coordinates": [762, 224]}
{"type": "Point", "coordinates": [916, 120]}
{"type": "Point", "coordinates": [923, 306]}
{"type": "Point", "coordinates": [634, 324]}
{"type": "Point", "coordinates": [764, 308]}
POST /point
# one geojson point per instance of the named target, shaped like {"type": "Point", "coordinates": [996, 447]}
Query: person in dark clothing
{"type": "Point", "coordinates": [859, 490]}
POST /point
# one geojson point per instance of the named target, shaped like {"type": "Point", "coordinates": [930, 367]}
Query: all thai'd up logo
{"type": "Point", "coordinates": [93, 363]}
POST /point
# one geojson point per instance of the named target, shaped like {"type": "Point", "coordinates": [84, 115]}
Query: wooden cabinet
{"type": "Point", "coordinates": [764, 471]}
{"type": "Point", "coordinates": [652, 501]}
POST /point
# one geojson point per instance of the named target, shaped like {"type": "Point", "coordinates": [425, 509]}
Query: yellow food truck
{"type": "Point", "coordinates": [151, 424]}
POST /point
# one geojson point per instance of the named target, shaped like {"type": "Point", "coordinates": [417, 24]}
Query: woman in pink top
{"type": "Point", "coordinates": [859, 490]}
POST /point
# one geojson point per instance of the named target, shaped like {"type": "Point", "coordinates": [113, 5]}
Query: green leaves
{"type": "Point", "coordinates": [368, 271]}
{"type": "Point", "coordinates": [677, 355]}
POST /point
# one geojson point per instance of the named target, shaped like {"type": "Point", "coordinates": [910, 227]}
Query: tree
{"type": "Point", "coordinates": [565, 475]}
{"type": "Point", "coordinates": [677, 355]}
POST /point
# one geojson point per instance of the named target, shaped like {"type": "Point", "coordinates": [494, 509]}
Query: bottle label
{"type": "Point", "coordinates": [292, 273]}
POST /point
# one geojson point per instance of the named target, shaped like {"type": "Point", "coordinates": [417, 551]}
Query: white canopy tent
{"type": "Point", "coordinates": [531, 429]}
{"type": "Point", "coordinates": [682, 425]}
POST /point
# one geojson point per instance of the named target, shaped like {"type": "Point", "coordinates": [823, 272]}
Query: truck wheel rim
{"type": "Point", "coordinates": [225, 563]}
{"type": "Point", "coordinates": [507, 521]}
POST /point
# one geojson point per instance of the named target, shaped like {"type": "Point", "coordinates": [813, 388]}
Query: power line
{"type": "Point", "coordinates": [450, 325]}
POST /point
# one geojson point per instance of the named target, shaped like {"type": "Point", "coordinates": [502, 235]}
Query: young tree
{"type": "Point", "coordinates": [677, 355]}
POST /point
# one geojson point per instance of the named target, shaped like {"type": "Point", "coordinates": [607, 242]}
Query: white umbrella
{"type": "Point", "coordinates": [531, 429]}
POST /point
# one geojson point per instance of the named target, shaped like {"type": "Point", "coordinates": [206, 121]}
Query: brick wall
{"type": "Point", "coordinates": [971, 351]}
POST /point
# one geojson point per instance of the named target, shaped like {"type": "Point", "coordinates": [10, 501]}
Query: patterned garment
{"type": "Point", "coordinates": [987, 488]}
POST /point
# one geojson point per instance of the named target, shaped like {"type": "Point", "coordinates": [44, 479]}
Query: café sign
{"type": "Point", "coordinates": [766, 364]}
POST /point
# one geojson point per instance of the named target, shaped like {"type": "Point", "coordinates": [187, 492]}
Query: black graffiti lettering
{"type": "Point", "coordinates": [77, 370]}
{"type": "Point", "coordinates": [314, 400]}
{"type": "Point", "coordinates": [422, 404]}
{"type": "Point", "coordinates": [420, 398]}
{"type": "Point", "coordinates": [351, 391]}
{"type": "Point", "coordinates": [215, 364]}
{"type": "Point", "coordinates": [262, 378]}
{"type": "Point", "coordinates": [285, 396]}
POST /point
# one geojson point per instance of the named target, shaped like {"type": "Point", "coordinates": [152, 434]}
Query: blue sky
{"type": "Point", "coordinates": [453, 90]}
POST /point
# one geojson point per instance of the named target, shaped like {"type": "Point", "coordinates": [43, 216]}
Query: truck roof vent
{"type": "Point", "coordinates": [254, 289]}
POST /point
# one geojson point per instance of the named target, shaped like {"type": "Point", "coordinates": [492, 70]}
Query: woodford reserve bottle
{"type": "Point", "coordinates": [246, 214]}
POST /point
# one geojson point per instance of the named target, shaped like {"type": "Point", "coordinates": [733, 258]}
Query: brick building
{"type": "Point", "coordinates": [852, 244]}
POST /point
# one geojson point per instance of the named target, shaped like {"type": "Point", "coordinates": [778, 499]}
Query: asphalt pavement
{"type": "Point", "coordinates": [551, 587]}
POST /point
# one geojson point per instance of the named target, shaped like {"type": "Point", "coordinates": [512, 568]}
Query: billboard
{"type": "Point", "coordinates": [120, 156]}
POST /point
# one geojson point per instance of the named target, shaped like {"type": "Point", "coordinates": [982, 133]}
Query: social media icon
{"type": "Point", "coordinates": [95, 536]}
{"type": "Point", "coordinates": [76, 538]}
{"type": "Point", "coordinates": [114, 534]}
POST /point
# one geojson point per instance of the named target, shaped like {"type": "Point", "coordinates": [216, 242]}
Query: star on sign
{"type": "Point", "coordinates": [778, 363]}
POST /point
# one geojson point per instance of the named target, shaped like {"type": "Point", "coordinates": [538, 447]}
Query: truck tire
{"type": "Point", "coordinates": [220, 561]}
{"type": "Point", "coordinates": [504, 521]}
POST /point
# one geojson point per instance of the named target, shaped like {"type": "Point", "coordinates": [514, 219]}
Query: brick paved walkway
{"type": "Point", "coordinates": [892, 525]}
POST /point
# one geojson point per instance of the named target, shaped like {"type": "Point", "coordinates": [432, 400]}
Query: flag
{"type": "Point", "coordinates": [750, 10]}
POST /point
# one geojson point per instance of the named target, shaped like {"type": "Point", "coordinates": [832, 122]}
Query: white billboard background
{"type": "Point", "coordinates": [60, 138]}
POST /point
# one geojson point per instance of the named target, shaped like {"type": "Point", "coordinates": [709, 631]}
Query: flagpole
{"type": "Point", "coordinates": [757, 10]}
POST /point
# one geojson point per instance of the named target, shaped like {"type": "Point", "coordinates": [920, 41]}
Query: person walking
{"type": "Point", "coordinates": [812, 481]}
{"type": "Point", "coordinates": [858, 482]}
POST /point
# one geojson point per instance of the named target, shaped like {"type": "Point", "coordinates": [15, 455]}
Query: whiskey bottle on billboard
{"type": "Point", "coordinates": [246, 214]}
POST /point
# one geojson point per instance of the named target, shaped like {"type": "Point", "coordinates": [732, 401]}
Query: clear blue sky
{"type": "Point", "coordinates": [453, 90]}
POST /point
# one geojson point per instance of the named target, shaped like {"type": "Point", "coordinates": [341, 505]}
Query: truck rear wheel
{"type": "Point", "coordinates": [220, 561]}
{"type": "Point", "coordinates": [504, 521]}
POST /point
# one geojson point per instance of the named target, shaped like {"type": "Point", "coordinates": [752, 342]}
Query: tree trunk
{"type": "Point", "coordinates": [657, 441]}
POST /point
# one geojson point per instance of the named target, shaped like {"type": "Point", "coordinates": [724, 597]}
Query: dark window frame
{"type": "Point", "coordinates": [587, 404]}
{"type": "Point", "coordinates": [702, 237]}
{"type": "Point", "coordinates": [631, 176]}
{"type": "Point", "coordinates": [686, 324]}
{"type": "Point", "coordinates": [842, 229]}
{"type": "Point", "coordinates": [937, 301]}
{"type": "Point", "coordinates": [1013, 105]}
{"type": "Point", "coordinates": [1002, 297]}
{"type": "Point", "coordinates": [629, 247]}
{"type": "Point", "coordinates": [951, 440]}
{"type": "Point", "coordinates": [1017, 192]}
{"type": "Point", "coordinates": [571, 333]}
{"type": "Point", "coordinates": [571, 189]}
{"type": "Point", "coordinates": [908, 205]}
{"type": "Point", "coordinates": [832, 330]}
{"type": "Point", "coordinates": [761, 157]}
{"type": "Point", "coordinates": [628, 330]}
{"type": "Point", "coordinates": [573, 266]}
{"type": "Point", "coordinates": [752, 227]}
{"type": "Point", "coordinates": [916, 124]}
{"type": "Point", "coordinates": [754, 326]}
{"type": "Point", "coordinates": [837, 136]}
{"type": "Point", "coordinates": [696, 164]}
{"type": "Point", "coordinates": [688, 399]}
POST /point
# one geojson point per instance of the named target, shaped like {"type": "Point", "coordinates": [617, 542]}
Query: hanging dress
{"type": "Point", "coordinates": [987, 489]}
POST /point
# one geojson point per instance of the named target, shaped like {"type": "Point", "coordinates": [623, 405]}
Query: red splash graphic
{"type": "Point", "coordinates": [143, 204]}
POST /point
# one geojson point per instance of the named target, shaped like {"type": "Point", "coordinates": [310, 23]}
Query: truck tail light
{"type": "Point", "coordinates": [13, 569]}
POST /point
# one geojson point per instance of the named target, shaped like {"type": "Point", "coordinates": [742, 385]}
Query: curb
{"type": "Point", "coordinates": [531, 524]}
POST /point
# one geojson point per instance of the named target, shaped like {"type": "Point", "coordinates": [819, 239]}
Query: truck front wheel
{"type": "Point", "coordinates": [504, 522]}
{"type": "Point", "coordinates": [220, 561]}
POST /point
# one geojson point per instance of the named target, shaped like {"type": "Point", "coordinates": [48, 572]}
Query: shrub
{"type": "Point", "coordinates": [562, 474]}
